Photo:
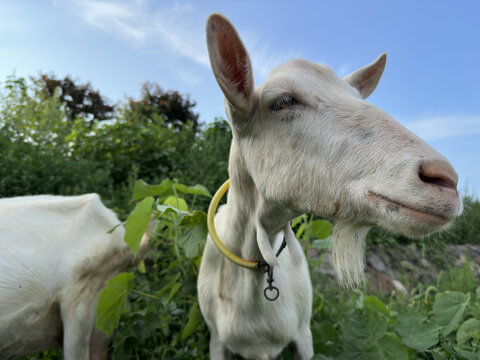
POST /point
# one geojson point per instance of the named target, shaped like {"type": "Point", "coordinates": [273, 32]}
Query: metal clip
{"type": "Point", "coordinates": [270, 288]}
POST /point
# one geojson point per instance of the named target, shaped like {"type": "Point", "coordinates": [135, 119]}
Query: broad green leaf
{"type": "Point", "coordinates": [416, 334]}
{"type": "Point", "coordinates": [468, 355]}
{"type": "Point", "coordinates": [194, 233]}
{"type": "Point", "coordinates": [324, 335]}
{"type": "Point", "coordinates": [437, 355]}
{"type": "Point", "coordinates": [176, 202]}
{"type": "Point", "coordinates": [321, 357]}
{"type": "Point", "coordinates": [163, 209]}
{"type": "Point", "coordinates": [193, 321]}
{"type": "Point", "coordinates": [449, 308]}
{"type": "Point", "coordinates": [360, 349]}
{"type": "Point", "coordinates": [137, 223]}
{"type": "Point", "coordinates": [112, 301]}
{"type": "Point", "coordinates": [368, 328]}
{"type": "Point", "coordinates": [374, 303]}
{"type": "Point", "coordinates": [320, 229]}
{"type": "Point", "coordinates": [323, 244]}
{"type": "Point", "coordinates": [195, 190]}
{"type": "Point", "coordinates": [466, 330]}
{"type": "Point", "coordinates": [392, 348]}
{"type": "Point", "coordinates": [162, 190]}
{"type": "Point", "coordinates": [165, 189]}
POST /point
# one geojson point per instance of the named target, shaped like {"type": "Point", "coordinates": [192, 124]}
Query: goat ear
{"type": "Point", "coordinates": [230, 63]}
{"type": "Point", "coordinates": [366, 79]}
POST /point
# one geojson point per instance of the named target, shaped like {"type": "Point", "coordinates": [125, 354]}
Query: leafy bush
{"type": "Point", "coordinates": [466, 229]}
{"type": "Point", "coordinates": [161, 319]}
{"type": "Point", "coordinates": [36, 154]}
{"type": "Point", "coordinates": [44, 151]}
{"type": "Point", "coordinates": [162, 313]}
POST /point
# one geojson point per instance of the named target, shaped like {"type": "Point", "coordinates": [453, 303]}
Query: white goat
{"type": "Point", "coordinates": [306, 141]}
{"type": "Point", "coordinates": [55, 258]}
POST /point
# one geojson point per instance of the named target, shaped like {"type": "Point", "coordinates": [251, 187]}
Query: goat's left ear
{"type": "Point", "coordinates": [230, 63]}
{"type": "Point", "coordinates": [366, 79]}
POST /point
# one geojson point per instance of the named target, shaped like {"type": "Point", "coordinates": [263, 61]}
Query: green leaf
{"type": "Point", "coordinates": [416, 334]}
{"type": "Point", "coordinates": [193, 321]}
{"type": "Point", "coordinates": [323, 244]}
{"type": "Point", "coordinates": [195, 190]}
{"type": "Point", "coordinates": [392, 348]}
{"type": "Point", "coordinates": [374, 303]}
{"type": "Point", "coordinates": [298, 220]}
{"type": "Point", "coordinates": [364, 328]}
{"type": "Point", "coordinates": [466, 330]}
{"type": "Point", "coordinates": [112, 301]}
{"type": "Point", "coordinates": [177, 203]}
{"type": "Point", "coordinates": [194, 233]}
{"type": "Point", "coordinates": [449, 308]}
{"type": "Point", "coordinates": [437, 355]}
{"type": "Point", "coordinates": [168, 286]}
{"type": "Point", "coordinates": [300, 231]}
{"type": "Point", "coordinates": [324, 336]}
{"type": "Point", "coordinates": [320, 229]}
{"type": "Point", "coordinates": [163, 209]}
{"type": "Point", "coordinates": [359, 349]}
{"type": "Point", "coordinates": [142, 189]}
{"type": "Point", "coordinates": [173, 291]}
{"type": "Point", "coordinates": [137, 223]}
{"type": "Point", "coordinates": [468, 355]}
{"type": "Point", "coordinates": [166, 188]}
{"type": "Point", "coordinates": [321, 357]}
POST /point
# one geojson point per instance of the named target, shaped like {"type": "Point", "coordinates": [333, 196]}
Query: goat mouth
{"type": "Point", "coordinates": [426, 216]}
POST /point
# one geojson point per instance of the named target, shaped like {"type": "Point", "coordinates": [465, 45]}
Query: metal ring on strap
{"type": "Point", "coordinates": [249, 264]}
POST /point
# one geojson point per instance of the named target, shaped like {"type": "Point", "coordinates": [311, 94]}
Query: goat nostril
{"type": "Point", "coordinates": [438, 174]}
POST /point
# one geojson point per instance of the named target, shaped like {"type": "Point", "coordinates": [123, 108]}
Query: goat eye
{"type": "Point", "coordinates": [283, 103]}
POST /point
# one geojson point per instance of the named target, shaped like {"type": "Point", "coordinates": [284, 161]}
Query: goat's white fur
{"type": "Point", "coordinates": [331, 154]}
{"type": "Point", "coordinates": [56, 257]}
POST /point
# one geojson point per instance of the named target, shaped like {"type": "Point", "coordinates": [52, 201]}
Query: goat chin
{"type": "Point", "coordinates": [348, 253]}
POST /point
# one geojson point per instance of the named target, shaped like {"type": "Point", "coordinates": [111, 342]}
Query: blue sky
{"type": "Point", "coordinates": [431, 82]}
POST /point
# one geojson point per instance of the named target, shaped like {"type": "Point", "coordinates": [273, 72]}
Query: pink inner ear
{"type": "Point", "coordinates": [234, 56]}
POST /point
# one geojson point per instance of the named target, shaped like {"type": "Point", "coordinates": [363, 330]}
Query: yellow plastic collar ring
{"type": "Point", "coordinates": [249, 264]}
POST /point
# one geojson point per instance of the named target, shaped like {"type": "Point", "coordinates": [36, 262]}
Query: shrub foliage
{"type": "Point", "coordinates": [48, 148]}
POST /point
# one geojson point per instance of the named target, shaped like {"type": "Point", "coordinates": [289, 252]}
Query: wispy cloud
{"type": "Point", "coordinates": [431, 127]}
{"type": "Point", "coordinates": [119, 19]}
{"type": "Point", "coordinates": [177, 28]}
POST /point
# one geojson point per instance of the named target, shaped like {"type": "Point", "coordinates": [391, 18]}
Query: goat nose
{"type": "Point", "coordinates": [439, 174]}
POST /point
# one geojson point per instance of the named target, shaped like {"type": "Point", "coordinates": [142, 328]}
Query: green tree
{"type": "Point", "coordinates": [36, 154]}
{"type": "Point", "coordinates": [174, 109]}
{"type": "Point", "coordinates": [79, 100]}
{"type": "Point", "coordinates": [205, 160]}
